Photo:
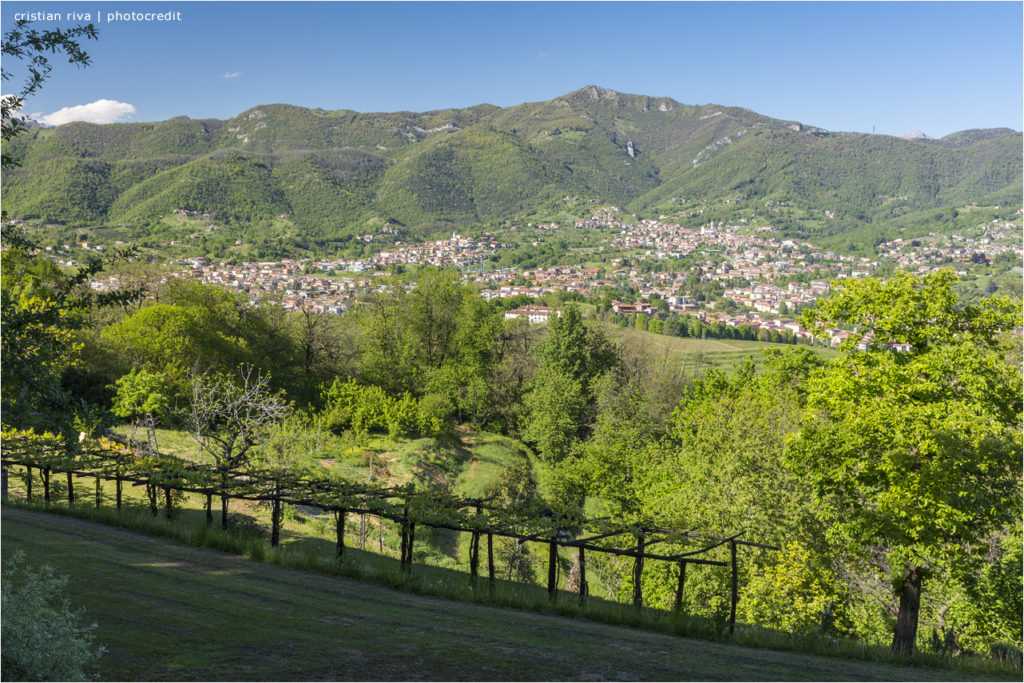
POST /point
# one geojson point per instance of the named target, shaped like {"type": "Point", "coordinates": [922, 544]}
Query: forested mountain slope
{"type": "Point", "coordinates": [336, 173]}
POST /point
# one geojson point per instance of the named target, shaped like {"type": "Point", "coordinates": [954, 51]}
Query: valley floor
{"type": "Point", "coordinates": [170, 612]}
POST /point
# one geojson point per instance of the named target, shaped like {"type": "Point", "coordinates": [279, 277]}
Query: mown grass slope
{"type": "Point", "coordinates": [165, 611]}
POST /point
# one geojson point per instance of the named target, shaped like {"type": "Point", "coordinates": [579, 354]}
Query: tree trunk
{"type": "Point", "coordinates": [168, 506]}
{"type": "Point", "coordinates": [3, 476]}
{"type": "Point", "coordinates": [28, 483]}
{"type": "Point", "coordinates": [209, 508]}
{"type": "Point", "coordinates": [119, 488]}
{"type": "Point", "coordinates": [46, 485]}
{"type": "Point", "coordinates": [910, 607]}
{"type": "Point", "coordinates": [71, 489]}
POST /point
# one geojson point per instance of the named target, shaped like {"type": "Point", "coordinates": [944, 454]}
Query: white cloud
{"type": "Point", "coordinates": [232, 74]}
{"type": "Point", "coordinates": [100, 111]}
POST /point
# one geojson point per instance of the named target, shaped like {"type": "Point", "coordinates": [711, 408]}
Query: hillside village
{"type": "Point", "coordinates": [764, 275]}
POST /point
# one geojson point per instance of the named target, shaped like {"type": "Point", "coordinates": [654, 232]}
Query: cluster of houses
{"type": "Point", "coordinates": [458, 252]}
{"type": "Point", "coordinates": [937, 251]}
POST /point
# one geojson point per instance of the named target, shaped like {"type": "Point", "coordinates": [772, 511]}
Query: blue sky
{"type": "Point", "coordinates": [895, 67]}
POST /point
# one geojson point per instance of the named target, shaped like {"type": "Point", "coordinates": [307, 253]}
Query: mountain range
{"type": "Point", "coordinates": [338, 173]}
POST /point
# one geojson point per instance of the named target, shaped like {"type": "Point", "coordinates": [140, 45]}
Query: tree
{"type": "Point", "coordinates": [142, 397]}
{"type": "Point", "coordinates": [35, 46]}
{"type": "Point", "coordinates": [556, 406]}
{"type": "Point", "coordinates": [916, 451]}
{"type": "Point", "coordinates": [229, 416]}
{"type": "Point", "coordinates": [42, 311]}
{"type": "Point", "coordinates": [561, 402]}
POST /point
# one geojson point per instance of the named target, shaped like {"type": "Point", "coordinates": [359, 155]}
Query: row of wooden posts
{"type": "Point", "coordinates": [639, 553]}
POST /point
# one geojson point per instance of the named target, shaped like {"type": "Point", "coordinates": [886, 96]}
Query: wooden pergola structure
{"type": "Point", "coordinates": [404, 505]}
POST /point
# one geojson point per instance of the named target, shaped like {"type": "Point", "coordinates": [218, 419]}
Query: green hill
{"type": "Point", "coordinates": [340, 173]}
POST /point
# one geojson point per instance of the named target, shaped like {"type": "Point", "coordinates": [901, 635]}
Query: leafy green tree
{"type": "Point", "coordinates": [142, 397]}
{"type": "Point", "coordinates": [914, 451]}
{"type": "Point", "coordinates": [45, 639]}
{"type": "Point", "coordinates": [614, 463]}
{"type": "Point", "coordinates": [556, 408]}
{"type": "Point", "coordinates": [196, 327]}
{"type": "Point", "coordinates": [42, 312]}
{"type": "Point", "coordinates": [580, 351]}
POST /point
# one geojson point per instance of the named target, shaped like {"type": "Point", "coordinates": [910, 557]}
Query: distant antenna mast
{"type": "Point", "coordinates": [872, 129]}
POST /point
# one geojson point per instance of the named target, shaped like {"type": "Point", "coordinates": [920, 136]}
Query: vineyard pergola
{"type": "Point", "coordinates": [108, 459]}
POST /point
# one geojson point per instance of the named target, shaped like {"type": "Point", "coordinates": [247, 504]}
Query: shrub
{"type": "Point", "coordinates": [797, 595]}
{"type": "Point", "coordinates": [43, 637]}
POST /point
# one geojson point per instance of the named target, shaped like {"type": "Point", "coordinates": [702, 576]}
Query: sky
{"type": "Point", "coordinates": [889, 68]}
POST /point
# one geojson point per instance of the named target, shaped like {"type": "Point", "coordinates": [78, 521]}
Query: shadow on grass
{"type": "Point", "coordinates": [318, 555]}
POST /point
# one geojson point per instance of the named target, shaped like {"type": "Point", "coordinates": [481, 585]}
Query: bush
{"type": "Point", "coordinates": [434, 412]}
{"type": "Point", "coordinates": [798, 594]}
{"type": "Point", "coordinates": [43, 638]}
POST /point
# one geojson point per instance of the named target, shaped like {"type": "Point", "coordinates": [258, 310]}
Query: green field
{"type": "Point", "coordinates": [696, 354]}
{"type": "Point", "coordinates": [170, 612]}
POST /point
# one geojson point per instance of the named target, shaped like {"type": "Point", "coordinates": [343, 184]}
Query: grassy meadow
{"type": "Point", "coordinates": [696, 355]}
{"type": "Point", "coordinates": [167, 611]}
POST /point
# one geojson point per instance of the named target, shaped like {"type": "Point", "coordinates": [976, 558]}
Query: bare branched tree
{"type": "Point", "coordinates": [230, 415]}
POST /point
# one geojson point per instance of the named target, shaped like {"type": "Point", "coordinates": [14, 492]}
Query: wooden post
{"type": "Point", "coordinates": [224, 500]}
{"type": "Point", "coordinates": [735, 587]}
{"type": "Point", "coordinates": [3, 482]}
{"type": "Point", "coordinates": [339, 519]}
{"type": "Point", "coordinates": [583, 578]}
{"type": "Point", "coordinates": [474, 557]}
{"type": "Point", "coordinates": [46, 485]}
{"type": "Point", "coordinates": [209, 509]}
{"type": "Point", "coordinates": [119, 486]}
{"type": "Point", "coordinates": [552, 571]}
{"type": "Point", "coordinates": [151, 492]}
{"type": "Point", "coordinates": [167, 501]}
{"type": "Point", "coordinates": [490, 561]}
{"type": "Point", "coordinates": [679, 587]}
{"type": "Point", "coordinates": [408, 548]}
{"type": "Point", "coordinates": [405, 542]}
{"type": "Point", "coordinates": [638, 572]}
{"type": "Point", "coordinates": [71, 489]}
{"type": "Point", "coordinates": [28, 483]}
{"type": "Point", "coordinates": [405, 536]}
{"type": "Point", "coordinates": [99, 492]}
{"type": "Point", "coordinates": [474, 553]}
{"type": "Point", "coordinates": [275, 517]}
